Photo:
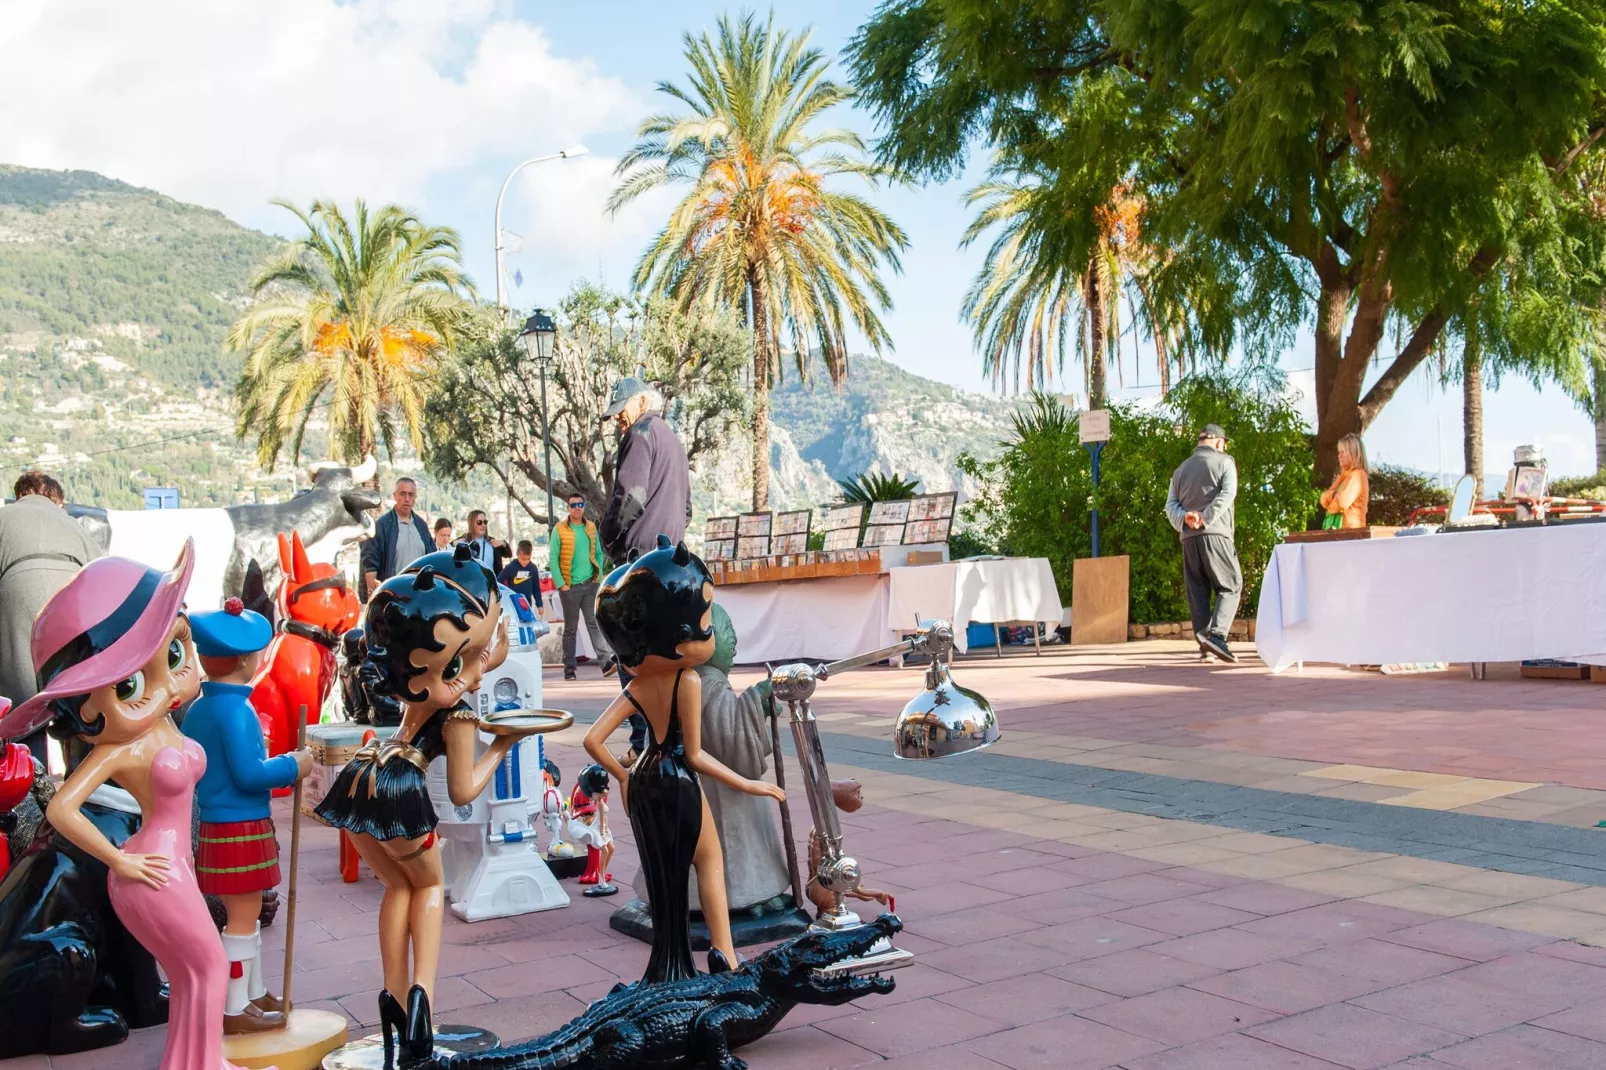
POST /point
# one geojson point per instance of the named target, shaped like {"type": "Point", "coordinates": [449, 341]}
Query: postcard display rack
{"type": "Point", "coordinates": [771, 547]}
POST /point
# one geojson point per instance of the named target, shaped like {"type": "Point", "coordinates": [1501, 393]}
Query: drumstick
{"type": "Point", "coordinates": [295, 858]}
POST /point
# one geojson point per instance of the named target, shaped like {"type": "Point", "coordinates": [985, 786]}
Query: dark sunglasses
{"type": "Point", "coordinates": [577, 505]}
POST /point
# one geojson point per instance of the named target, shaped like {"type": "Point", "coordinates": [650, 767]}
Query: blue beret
{"type": "Point", "coordinates": [230, 631]}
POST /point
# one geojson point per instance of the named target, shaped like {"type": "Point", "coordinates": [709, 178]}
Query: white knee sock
{"type": "Point", "coordinates": [241, 952]}
{"type": "Point", "coordinates": [256, 987]}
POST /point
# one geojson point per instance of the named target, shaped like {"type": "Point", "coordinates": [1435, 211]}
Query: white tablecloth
{"type": "Point", "coordinates": [1015, 589]}
{"type": "Point", "coordinates": [831, 618]}
{"type": "Point", "coordinates": [1466, 597]}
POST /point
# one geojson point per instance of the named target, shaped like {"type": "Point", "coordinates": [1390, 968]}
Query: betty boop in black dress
{"type": "Point", "coordinates": [657, 612]}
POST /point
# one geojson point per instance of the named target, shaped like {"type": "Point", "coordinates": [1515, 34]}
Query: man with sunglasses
{"type": "Point", "coordinates": [575, 559]}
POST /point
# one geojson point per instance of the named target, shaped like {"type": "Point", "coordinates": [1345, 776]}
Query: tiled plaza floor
{"type": "Point", "coordinates": [1144, 926]}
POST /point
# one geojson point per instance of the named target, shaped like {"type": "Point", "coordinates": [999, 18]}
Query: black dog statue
{"type": "Point", "coordinates": [71, 977]}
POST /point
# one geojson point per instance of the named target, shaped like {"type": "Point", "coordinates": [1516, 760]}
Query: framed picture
{"type": "Point", "coordinates": [719, 549]}
{"type": "Point", "coordinates": [842, 538]}
{"type": "Point", "coordinates": [751, 546]}
{"type": "Point", "coordinates": [838, 517]}
{"type": "Point", "coordinates": [795, 543]}
{"type": "Point", "coordinates": [754, 524]}
{"type": "Point", "coordinates": [883, 535]}
{"type": "Point", "coordinates": [792, 523]}
{"type": "Point", "coordinates": [719, 527]}
{"type": "Point", "coordinates": [932, 506]}
{"type": "Point", "coordinates": [919, 532]}
{"type": "Point", "coordinates": [886, 513]}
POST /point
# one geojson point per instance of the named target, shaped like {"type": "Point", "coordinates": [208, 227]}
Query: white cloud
{"type": "Point", "coordinates": [230, 104]}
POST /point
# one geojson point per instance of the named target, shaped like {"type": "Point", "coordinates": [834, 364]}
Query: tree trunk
{"type": "Point", "coordinates": [1472, 411]}
{"type": "Point", "coordinates": [1600, 417]}
{"type": "Point", "coordinates": [1098, 390]}
{"type": "Point", "coordinates": [761, 392]}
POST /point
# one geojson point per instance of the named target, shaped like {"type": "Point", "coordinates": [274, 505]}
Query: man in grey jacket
{"type": "Point", "coordinates": [1200, 507]}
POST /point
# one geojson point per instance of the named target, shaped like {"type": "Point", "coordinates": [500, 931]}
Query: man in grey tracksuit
{"type": "Point", "coordinates": [1200, 507]}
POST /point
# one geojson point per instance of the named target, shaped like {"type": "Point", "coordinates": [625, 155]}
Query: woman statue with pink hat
{"type": "Point", "coordinates": [115, 659]}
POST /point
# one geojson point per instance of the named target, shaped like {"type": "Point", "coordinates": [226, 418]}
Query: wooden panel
{"type": "Point", "coordinates": [1099, 599]}
{"type": "Point", "coordinates": [1341, 534]}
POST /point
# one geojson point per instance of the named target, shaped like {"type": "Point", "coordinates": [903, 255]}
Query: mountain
{"type": "Point", "coordinates": [115, 301]}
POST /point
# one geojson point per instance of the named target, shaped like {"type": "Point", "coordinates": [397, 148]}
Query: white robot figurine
{"type": "Point", "coordinates": [492, 866]}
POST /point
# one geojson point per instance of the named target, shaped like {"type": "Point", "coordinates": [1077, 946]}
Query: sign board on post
{"type": "Point", "coordinates": [1094, 425]}
{"type": "Point", "coordinates": [161, 497]}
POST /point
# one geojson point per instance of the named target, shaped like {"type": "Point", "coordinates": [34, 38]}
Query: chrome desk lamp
{"type": "Point", "coordinates": [943, 720]}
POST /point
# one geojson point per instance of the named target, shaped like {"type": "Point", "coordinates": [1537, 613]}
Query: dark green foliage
{"type": "Point", "coordinates": [1592, 487]}
{"type": "Point", "coordinates": [1396, 493]}
{"type": "Point", "coordinates": [971, 542]}
{"type": "Point", "coordinates": [1038, 494]}
{"type": "Point", "coordinates": [875, 487]}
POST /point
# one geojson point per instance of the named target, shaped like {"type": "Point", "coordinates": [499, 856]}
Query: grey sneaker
{"type": "Point", "coordinates": [1217, 645]}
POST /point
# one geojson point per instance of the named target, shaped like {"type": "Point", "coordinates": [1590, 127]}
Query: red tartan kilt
{"type": "Point", "coordinates": [237, 857]}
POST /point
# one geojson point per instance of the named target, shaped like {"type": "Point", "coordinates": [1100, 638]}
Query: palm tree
{"type": "Point", "coordinates": [350, 320]}
{"type": "Point", "coordinates": [875, 487]}
{"type": "Point", "coordinates": [1035, 292]}
{"type": "Point", "coordinates": [759, 231]}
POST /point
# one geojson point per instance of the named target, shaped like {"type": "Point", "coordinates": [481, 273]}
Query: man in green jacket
{"type": "Point", "coordinates": [575, 560]}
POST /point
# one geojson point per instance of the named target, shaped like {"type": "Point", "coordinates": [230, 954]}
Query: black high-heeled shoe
{"type": "Point", "coordinates": [392, 1020]}
{"type": "Point", "coordinates": [418, 1042]}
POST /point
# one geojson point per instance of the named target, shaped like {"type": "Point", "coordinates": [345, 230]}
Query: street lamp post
{"type": "Point", "coordinates": [567, 154]}
{"type": "Point", "coordinates": [538, 335]}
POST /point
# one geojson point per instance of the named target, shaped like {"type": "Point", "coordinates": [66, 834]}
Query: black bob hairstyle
{"type": "Point", "coordinates": [592, 781]}
{"type": "Point", "coordinates": [404, 610]}
{"type": "Point", "coordinates": [655, 602]}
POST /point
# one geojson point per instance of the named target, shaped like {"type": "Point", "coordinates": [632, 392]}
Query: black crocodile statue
{"type": "Point", "coordinates": [682, 1025]}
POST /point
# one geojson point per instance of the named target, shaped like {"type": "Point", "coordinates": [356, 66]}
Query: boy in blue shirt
{"type": "Point", "coordinates": [238, 858]}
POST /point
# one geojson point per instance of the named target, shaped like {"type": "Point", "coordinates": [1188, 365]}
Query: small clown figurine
{"type": "Point", "coordinates": [238, 858]}
{"type": "Point", "coordinates": [588, 825]}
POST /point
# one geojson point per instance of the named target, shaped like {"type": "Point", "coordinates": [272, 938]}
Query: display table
{"type": "Point", "coordinates": [1010, 590]}
{"type": "Point", "coordinates": [1498, 595]}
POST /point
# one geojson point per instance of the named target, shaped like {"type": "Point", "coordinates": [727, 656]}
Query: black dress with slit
{"type": "Point", "coordinates": [665, 805]}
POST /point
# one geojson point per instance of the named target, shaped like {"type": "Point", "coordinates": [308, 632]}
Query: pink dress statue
{"type": "Point", "coordinates": [173, 922]}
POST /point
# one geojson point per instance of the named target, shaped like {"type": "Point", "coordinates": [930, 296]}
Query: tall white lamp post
{"type": "Point", "coordinates": [567, 154]}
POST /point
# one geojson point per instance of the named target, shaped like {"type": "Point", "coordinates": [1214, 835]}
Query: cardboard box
{"type": "Point", "coordinates": [1554, 670]}
{"type": "Point", "coordinates": [925, 557]}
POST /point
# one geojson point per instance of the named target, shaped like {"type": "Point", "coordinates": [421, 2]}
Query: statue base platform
{"type": "Point", "coordinates": [565, 868]}
{"type": "Point", "coordinates": [774, 919]}
{"type": "Point", "coordinates": [300, 1045]}
{"type": "Point", "coordinates": [369, 1052]}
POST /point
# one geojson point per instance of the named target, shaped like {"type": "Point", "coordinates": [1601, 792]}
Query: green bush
{"type": "Point", "coordinates": [1038, 493]}
{"type": "Point", "coordinates": [1591, 487]}
{"type": "Point", "coordinates": [1396, 493]}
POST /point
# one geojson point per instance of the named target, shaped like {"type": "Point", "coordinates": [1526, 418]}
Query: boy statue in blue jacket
{"type": "Point", "coordinates": [238, 858]}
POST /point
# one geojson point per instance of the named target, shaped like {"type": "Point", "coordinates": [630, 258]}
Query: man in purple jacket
{"type": "Point", "coordinates": [651, 493]}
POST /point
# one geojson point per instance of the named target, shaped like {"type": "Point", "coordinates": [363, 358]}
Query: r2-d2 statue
{"type": "Point", "coordinates": [490, 860]}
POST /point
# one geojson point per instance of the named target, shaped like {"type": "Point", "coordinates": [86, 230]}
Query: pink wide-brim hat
{"type": "Point", "coordinates": [89, 600]}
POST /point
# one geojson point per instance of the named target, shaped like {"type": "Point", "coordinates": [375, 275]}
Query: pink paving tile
{"type": "Point", "coordinates": [1382, 961]}
{"type": "Point", "coordinates": [1006, 956]}
{"type": "Point", "coordinates": [451, 994]}
{"type": "Point", "coordinates": [806, 1049]}
{"type": "Point", "coordinates": [904, 1028]}
{"type": "Point", "coordinates": [1025, 999]}
{"type": "Point", "coordinates": [1570, 983]}
{"type": "Point", "coordinates": [943, 899]}
{"type": "Point", "coordinates": [1586, 1020]}
{"type": "Point", "coordinates": [1109, 866]}
{"type": "Point", "coordinates": [1088, 938]}
{"type": "Point", "coordinates": [1285, 987]}
{"type": "Point", "coordinates": [969, 926]}
{"type": "Point", "coordinates": [570, 941]}
{"type": "Point", "coordinates": [1132, 973]}
{"type": "Point", "coordinates": [1466, 939]}
{"type": "Point", "coordinates": [946, 1059]}
{"type": "Point", "coordinates": [1178, 1015]}
{"type": "Point", "coordinates": [529, 978]}
{"type": "Point", "coordinates": [458, 959]}
{"type": "Point", "coordinates": [1231, 1052]}
{"type": "Point", "coordinates": [142, 1049]}
{"type": "Point", "coordinates": [1029, 881]}
{"type": "Point", "coordinates": [1523, 1047]}
{"type": "Point", "coordinates": [1063, 1044]}
{"type": "Point", "coordinates": [1202, 876]}
{"type": "Point", "coordinates": [1234, 949]}
{"type": "Point", "coordinates": [1261, 898]}
{"type": "Point", "coordinates": [1066, 904]}
{"type": "Point", "coordinates": [926, 874]}
{"type": "Point", "coordinates": [1460, 1006]}
{"type": "Point", "coordinates": [1182, 917]}
{"type": "Point", "coordinates": [1063, 850]}
{"type": "Point", "coordinates": [1143, 888]}
{"type": "Point", "coordinates": [1353, 1036]}
{"type": "Point", "coordinates": [1334, 923]}
{"type": "Point", "coordinates": [1576, 952]}
{"type": "Point", "coordinates": [521, 1017]}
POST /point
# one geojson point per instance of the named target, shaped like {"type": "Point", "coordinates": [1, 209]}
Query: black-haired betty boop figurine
{"type": "Point", "coordinates": [657, 612]}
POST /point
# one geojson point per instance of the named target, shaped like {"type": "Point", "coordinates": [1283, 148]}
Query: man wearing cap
{"type": "Point", "coordinates": [238, 858]}
{"type": "Point", "coordinates": [1200, 507]}
{"type": "Point", "coordinates": [651, 493]}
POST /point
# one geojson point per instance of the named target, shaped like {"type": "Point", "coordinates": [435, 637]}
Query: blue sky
{"type": "Point", "coordinates": [430, 104]}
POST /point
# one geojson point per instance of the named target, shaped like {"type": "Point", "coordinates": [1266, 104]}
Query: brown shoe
{"type": "Point", "coordinates": [252, 1020]}
{"type": "Point", "coordinates": [269, 1003]}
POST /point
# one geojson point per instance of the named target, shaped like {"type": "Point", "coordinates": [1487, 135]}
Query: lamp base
{"type": "Point", "coordinates": [308, 1036]}
{"type": "Point", "coordinates": [369, 1052]}
{"type": "Point", "coordinates": [774, 919]}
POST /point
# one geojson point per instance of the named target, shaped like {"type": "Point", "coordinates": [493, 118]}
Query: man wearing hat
{"type": "Point", "coordinates": [1200, 507]}
{"type": "Point", "coordinates": [238, 858]}
{"type": "Point", "coordinates": [651, 493]}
